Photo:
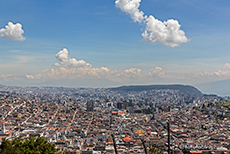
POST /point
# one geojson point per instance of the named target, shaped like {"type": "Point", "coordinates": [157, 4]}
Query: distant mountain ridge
{"type": "Point", "coordinates": [220, 87]}
{"type": "Point", "coordinates": [187, 89]}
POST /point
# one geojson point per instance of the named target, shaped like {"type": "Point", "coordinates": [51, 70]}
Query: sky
{"type": "Point", "coordinates": [106, 43]}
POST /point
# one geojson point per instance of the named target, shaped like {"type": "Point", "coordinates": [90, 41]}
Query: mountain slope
{"type": "Point", "coordinates": [187, 89]}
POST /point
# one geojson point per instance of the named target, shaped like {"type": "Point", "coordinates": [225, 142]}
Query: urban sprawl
{"type": "Point", "coordinates": [87, 120]}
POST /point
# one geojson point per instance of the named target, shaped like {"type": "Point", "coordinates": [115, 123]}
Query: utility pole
{"type": "Point", "coordinates": [114, 144]}
{"type": "Point", "coordinates": [168, 138]}
{"type": "Point", "coordinates": [144, 145]}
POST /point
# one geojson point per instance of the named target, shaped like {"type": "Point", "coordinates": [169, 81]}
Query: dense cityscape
{"type": "Point", "coordinates": [84, 120]}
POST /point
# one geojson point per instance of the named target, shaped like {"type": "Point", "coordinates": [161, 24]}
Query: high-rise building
{"type": "Point", "coordinates": [156, 113]}
{"type": "Point", "coordinates": [3, 131]}
{"type": "Point", "coordinates": [119, 105]}
{"type": "Point", "coordinates": [90, 105]}
{"type": "Point", "coordinates": [125, 105]}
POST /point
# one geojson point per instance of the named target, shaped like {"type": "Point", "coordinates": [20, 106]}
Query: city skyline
{"type": "Point", "coordinates": [111, 43]}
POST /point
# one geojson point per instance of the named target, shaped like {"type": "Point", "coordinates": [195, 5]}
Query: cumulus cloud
{"type": "Point", "coordinates": [66, 69]}
{"type": "Point", "coordinates": [167, 32]}
{"type": "Point", "coordinates": [5, 76]}
{"type": "Point", "coordinates": [71, 68]}
{"type": "Point", "coordinates": [222, 72]}
{"type": "Point", "coordinates": [99, 72]}
{"type": "Point", "coordinates": [30, 76]}
{"type": "Point", "coordinates": [157, 71]}
{"type": "Point", "coordinates": [227, 65]}
{"type": "Point", "coordinates": [65, 61]}
{"type": "Point", "coordinates": [12, 32]}
{"type": "Point", "coordinates": [132, 72]}
{"type": "Point", "coordinates": [132, 8]}
{"type": "Point", "coordinates": [219, 73]}
{"type": "Point", "coordinates": [72, 73]}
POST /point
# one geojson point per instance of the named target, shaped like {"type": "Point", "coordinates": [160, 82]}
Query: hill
{"type": "Point", "coordinates": [187, 89]}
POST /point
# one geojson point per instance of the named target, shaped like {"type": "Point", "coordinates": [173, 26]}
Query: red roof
{"type": "Point", "coordinates": [4, 123]}
{"type": "Point", "coordinates": [196, 152]}
{"type": "Point", "coordinates": [127, 139]}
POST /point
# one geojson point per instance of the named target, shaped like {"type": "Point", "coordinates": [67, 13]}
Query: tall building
{"type": "Point", "coordinates": [156, 113]}
{"type": "Point", "coordinates": [90, 105]}
{"type": "Point", "coordinates": [3, 131]}
{"type": "Point", "coordinates": [125, 105]}
{"type": "Point", "coordinates": [119, 105]}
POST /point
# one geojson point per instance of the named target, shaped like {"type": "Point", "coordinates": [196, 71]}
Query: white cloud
{"type": "Point", "coordinates": [222, 72]}
{"type": "Point", "coordinates": [70, 68]}
{"type": "Point", "coordinates": [66, 61]}
{"type": "Point", "coordinates": [30, 76]}
{"type": "Point", "coordinates": [99, 72]}
{"type": "Point", "coordinates": [157, 71]}
{"type": "Point", "coordinates": [227, 65]}
{"type": "Point", "coordinates": [12, 32]}
{"type": "Point", "coordinates": [219, 73]}
{"type": "Point", "coordinates": [132, 72]}
{"type": "Point", "coordinates": [71, 73]}
{"type": "Point", "coordinates": [167, 33]}
{"type": "Point", "coordinates": [5, 76]}
{"type": "Point", "coordinates": [127, 76]}
{"type": "Point", "coordinates": [132, 8]}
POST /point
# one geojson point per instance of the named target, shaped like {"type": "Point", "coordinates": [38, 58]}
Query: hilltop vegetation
{"type": "Point", "coordinates": [187, 89]}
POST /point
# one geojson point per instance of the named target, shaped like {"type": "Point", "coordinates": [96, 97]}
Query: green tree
{"type": "Point", "coordinates": [154, 149]}
{"type": "Point", "coordinates": [30, 146]}
{"type": "Point", "coordinates": [185, 151]}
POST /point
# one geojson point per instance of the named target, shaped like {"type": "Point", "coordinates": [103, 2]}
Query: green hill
{"type": "Point", "coordinates": [187, 89]}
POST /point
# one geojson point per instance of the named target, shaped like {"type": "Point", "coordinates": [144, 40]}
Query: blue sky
{"type": "Point", "coordinates": [108, 37]}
